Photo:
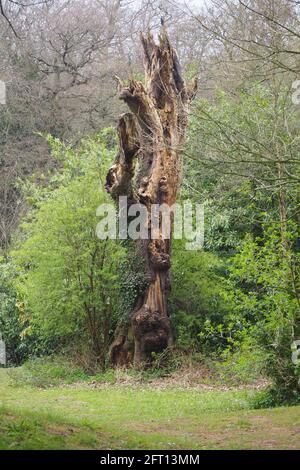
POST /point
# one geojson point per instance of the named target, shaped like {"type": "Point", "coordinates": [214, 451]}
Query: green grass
{"type": "Point", "coordinates": [46, 372]}
{"type": "Point", "coordinates": [140, 417]}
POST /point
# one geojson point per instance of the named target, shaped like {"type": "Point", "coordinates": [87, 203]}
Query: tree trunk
{"type": "Point", "coordinates": [148, 171]}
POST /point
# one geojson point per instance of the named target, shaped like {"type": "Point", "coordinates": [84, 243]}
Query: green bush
{"type": "Point", "coordinates": [272, 397]}
{"type": "Point", "coordinates": [265, 276]}
{"type": "Point", "coordinates": [243, 364]}
{"type": "Point", "coordinates": [67, 277]}
{"type": "Point", "coordinates": [199, 303]}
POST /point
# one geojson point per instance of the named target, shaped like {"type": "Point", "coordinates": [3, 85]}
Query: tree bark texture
{"type": "Point", "coordinates": [147, 170]}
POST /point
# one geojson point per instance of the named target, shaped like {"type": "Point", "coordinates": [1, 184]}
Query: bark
{"type": "Point", "coordinates": [148, 170]}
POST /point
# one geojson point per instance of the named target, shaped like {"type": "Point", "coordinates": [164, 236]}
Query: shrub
{"type": "Point", "coordinates": [265, 275]}
{"type": "Point", "coordinates": [11, 324]}
{"type": "Point", "coordinates": [199, 303]}
{"type": "Point", "coordinates": [67, 277]}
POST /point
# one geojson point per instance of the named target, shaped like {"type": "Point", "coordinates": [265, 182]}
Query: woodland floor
{"type": "Point", "coordinates": [140, 416]}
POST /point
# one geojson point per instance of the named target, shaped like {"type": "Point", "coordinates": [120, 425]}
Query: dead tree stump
{"type": "Point", "coordinates": [147, 170]}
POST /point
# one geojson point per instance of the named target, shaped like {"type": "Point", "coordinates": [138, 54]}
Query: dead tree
{"type": "Point", "coordinates": [148, 171]}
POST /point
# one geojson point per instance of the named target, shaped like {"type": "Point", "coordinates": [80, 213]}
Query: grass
{"type": "Point", "coordinates": [139, 417]}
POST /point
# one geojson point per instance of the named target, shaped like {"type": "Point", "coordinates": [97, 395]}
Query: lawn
{"type": "Point", "coordinates": [140, 417]}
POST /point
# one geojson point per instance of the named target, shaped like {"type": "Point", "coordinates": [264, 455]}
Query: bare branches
{"type": "Point", "coordinates": [264, 36]}
{"type": "Point", "coordinates": [2, 12]}
{"type": "Point", "coordinates": [270, 18]}
{"type": "Point", "coordinates": [19, 4]}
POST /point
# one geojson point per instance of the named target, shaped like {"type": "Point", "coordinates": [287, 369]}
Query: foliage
{"type": "Point", "coordinates": [265, 274]}
{"type": "Point", "coordinates": [242, 363]}
{"type": "Point", "coordinates": [46, 372]}
{"type": "Point", "coordinates": [199, 303]}
{"type": "Point", "coordinates": [67, 282]}
{"type": "Point", "coordinates": [243, 147]}
{"type": "Point", "coordinates": [11, 324]}
{"type": "Point", "coordinates": [244, 152]}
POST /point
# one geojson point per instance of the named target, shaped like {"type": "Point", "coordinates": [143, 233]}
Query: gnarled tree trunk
{"type": "Point", "coordinates": [148, 170]}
